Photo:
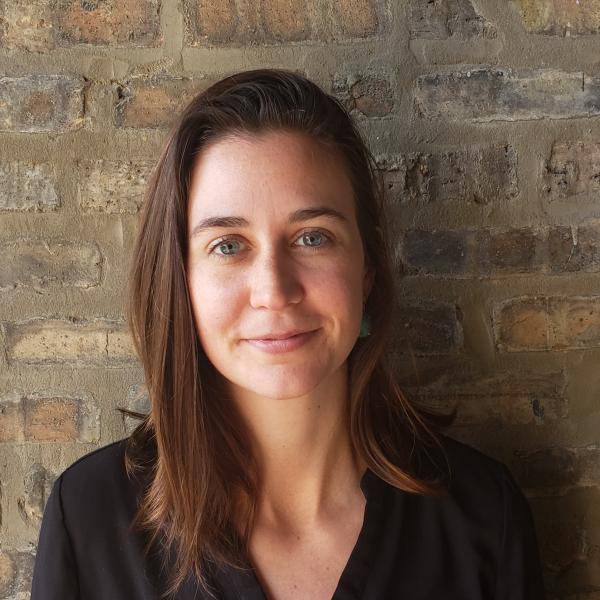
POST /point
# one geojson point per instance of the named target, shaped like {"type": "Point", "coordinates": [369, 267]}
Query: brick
{"type": "Point", "coordinates": [16, 570]}
{"type": "Point", "coordinates": [26, 25]}
{"type": "Point", "coordinates": [356, 18]}
{"type": "Point", "coordinates": [502, 398]}
{"type": "Point", "coordinates": [40, 264]}
{"type": "Point", "coordinates": [485, 94]}
{"type": "Point", "coordinates": [479, 174]}
{"type": "Point", "coordinates": [47, 341]}
{"type": "Point", "coordinates": [427, 330]}
{"type": "Point", "coordinates": [40, 25]}
{"type": "Point", "coordinates": [512, 251]}
{"type": "Point", "coordinates": [573, 169]}
{"type": "Point", "coordinates": [370, 93]}
{"type": "Point", "coordinates": [41, 103]}
{"type": "Point", "coordinates": [548, 324]}
{"type": "Point", "coordinates": [561, 524]}
{"type": "Point", "coordinates": [47, 417]}
{"type": "Point", "coordinates": [575, 248]}
{"type": "Point", "coordinates": [285, 21]}
{"type": "Point", "coordinates": [225, 23]}
{"type": "Point", "coordinates": [137, 400]}
{"type": "Point", "coordinates": [152, 102]}
{"type": "Point", "coordinates": [473, 253]}
{"type": "Point", "coordinates": [523, 325]}
{"type": "Point", "coordinates": [549, 17]}
{"type": "Point", "coordinates": [112, 186]}
{"type": "Point", "coordinates": [445, 19]}
{"type": "Point", "coordinates": [122, 23]}
{"type": "Point", "coordinates": [558, 468]}
{"type": "Point", "coordinates": [436, 251]}
{"type": "Point", "coordinates": [38, 485]}
{"type": "Point", "coordinates": [27, 187]}
{"type": "Point", "coordinates": [211, 22]}
{"type": "Point", "coordinates": [8, 574]}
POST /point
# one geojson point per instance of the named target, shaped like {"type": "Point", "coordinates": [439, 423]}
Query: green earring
{"type": "Point", "coordinates": [365, 326]}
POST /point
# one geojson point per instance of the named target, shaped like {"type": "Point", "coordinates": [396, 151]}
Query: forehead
{"type": "Point", "coordinates": [276, 172]}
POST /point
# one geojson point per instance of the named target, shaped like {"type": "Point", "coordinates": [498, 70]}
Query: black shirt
{"type": "Point", "coordinates": [476, 543]}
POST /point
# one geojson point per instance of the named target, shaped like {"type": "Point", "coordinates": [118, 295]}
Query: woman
{"type": "Point", "coordinates": [280, 460]}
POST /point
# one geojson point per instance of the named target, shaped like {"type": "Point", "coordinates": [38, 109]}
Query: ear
{"type": "Point", "coordinates": [368, 279]}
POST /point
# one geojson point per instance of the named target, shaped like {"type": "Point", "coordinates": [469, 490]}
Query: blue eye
{"type": "Point", "coordinates": [228, 244]}
{"type": "Point", "coordinates": [313, 235]}
{"type": "Point", "coordinates": [225, 243]}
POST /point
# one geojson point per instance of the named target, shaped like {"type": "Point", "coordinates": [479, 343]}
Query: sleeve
{"type": "Point", "coordinates": [520, 570]}
{"type": "Point", "coordinates": [55, 569]}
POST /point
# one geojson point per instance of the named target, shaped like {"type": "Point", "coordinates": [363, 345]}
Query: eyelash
{"type": "Point", "coordinates": [308, 232]}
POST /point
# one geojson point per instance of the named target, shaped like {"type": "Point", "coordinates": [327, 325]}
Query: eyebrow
{"type": "Point", "coordinates": [303, 214]}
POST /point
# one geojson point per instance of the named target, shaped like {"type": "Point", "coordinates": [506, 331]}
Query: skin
{"type": "Point", "coordinates": [271, 277]}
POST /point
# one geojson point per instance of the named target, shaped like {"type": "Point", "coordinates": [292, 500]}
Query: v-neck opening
{"type": "Point", "coordinates": [353, 578]}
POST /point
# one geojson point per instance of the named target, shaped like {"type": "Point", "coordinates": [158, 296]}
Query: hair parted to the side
{"type": "Point", "coordinates": [192, 449]}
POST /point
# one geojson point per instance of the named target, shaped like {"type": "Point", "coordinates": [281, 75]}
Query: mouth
{"type": "Point", "coordinates": [280, 335]}
{"type": "Point", "coordinates": [282, 344]}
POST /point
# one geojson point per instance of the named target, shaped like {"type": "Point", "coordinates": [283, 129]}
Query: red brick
{"type": "Point", "coordinates": [42, 25]}
{"type": "Point", "coordinates": [152, 102]}
{"type": "Point", "coordinates": [285, 20]}
{"type": "Point", "coordinates": [485, 94]}
{"type": "Point", "coordinates": [40, 264]}
{"type": "Point", "coordinates": [356, 18]}
{"type": "Point", "coordinates": [122, 23]}
{"type": "Point", "coordinates": [41, 103]}
{"type": "Point", "coordinates": [225, 22]}
{"type": "Point", "coordinates": [46, 417]}
{"type": "Point", "coordinates": [27, 186]}
{"type": "Point", "coordinates": [523, 325]}
{"type": "Point", "coordinates": [548, 324]}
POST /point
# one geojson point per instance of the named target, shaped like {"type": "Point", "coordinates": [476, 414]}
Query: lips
{"type": "Point", "coordinates": [280, 336]}
{"type": "Point", "coordinates": [288, 344]}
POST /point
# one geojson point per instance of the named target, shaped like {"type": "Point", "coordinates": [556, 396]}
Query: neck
{"type": "Point", "coordinates": [307, 467]}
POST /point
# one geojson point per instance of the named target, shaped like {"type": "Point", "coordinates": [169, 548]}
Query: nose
{"type": "Point", "coordinates": [274, 282]}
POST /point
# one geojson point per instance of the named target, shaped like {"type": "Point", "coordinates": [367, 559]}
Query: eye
{"type": "Point", "coordinates": [313, 240]}
{"type": "Point", "coordinates": [314, 235]}
{"type": "Point", "coordinates": [228, 244]}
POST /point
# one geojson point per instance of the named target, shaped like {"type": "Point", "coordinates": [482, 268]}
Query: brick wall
{"type": "Point", "coordinates": [484, 118]}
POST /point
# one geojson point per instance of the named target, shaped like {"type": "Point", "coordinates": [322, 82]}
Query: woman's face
{"type": "Point", "coordinates": [274, 249]}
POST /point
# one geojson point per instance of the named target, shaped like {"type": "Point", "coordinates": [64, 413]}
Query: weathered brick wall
{"type": "Point", "coordinates": [484, 117]}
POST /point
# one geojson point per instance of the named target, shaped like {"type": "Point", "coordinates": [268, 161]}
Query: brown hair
{"type": "Point", "coordinates": [200, 462]}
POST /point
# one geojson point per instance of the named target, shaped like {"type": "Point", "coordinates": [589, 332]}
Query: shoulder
{"type": "Point", "coordinates": [478, 488]}
{"type": "Point", "coordinates": [96, 481]}
{"type": "Point", "coordinates": [97, 466]}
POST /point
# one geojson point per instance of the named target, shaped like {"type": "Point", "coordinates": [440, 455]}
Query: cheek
{"type": "Point", "coordinates": [215, 301]}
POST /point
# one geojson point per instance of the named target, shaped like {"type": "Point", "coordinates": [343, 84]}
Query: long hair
{"type": "Point", "coordinates": [199, 464]}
